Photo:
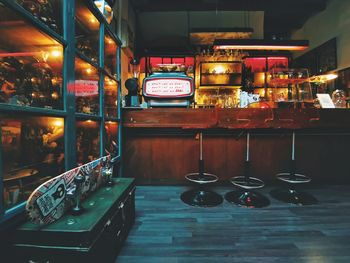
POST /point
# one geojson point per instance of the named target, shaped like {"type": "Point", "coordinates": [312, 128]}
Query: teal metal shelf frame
{"type": "Point", "coordinates": [67, 39]}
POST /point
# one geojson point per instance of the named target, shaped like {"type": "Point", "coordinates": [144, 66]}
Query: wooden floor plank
{"type": "Point", "coordinates": [167, 230]}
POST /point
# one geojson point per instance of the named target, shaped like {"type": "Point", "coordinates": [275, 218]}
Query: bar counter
{"type": "Point", "coordinates": [160, 145]}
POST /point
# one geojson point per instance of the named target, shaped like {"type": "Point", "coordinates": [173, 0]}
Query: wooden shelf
{"type": "Point", "coordinates": [206, 74]}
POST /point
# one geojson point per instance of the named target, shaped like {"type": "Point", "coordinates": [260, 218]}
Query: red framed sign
{"type": "Point", "coordinates": [168, 87]}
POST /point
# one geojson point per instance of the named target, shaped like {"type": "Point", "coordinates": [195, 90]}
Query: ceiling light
{"type": "Point", "coordinates": [261, 44]}
{"type": "Point", "coordinates": [323, 78]}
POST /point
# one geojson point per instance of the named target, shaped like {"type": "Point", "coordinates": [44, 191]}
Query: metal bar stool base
{"type": "Point", "coordinates": [249, 199]}
{"type": "Point", "coordinates": [201, 198]}
{"type": "Point", "coordinates": [293, 196]}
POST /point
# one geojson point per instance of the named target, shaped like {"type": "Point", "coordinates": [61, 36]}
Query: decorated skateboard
{"type": "Point", "coordinates": [52, 199]}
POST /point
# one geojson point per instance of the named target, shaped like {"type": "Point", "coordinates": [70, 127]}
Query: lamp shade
{"type": "Point", "coordinates": [261, 44]}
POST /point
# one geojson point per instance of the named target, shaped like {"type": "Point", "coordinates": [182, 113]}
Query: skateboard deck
{"type": "Point", "coordinates": [49, 201]}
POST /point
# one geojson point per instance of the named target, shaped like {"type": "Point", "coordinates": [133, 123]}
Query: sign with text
{"type": "Point", "coordinates": [168, 87]}
{"type": "Point", "coordinates": [86, 88]}
{"type": "Point", "coordinates": [325, 101]}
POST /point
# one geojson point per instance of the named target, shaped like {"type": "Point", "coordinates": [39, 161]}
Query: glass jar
{"type": "Point", "coordinates": [339, 98]}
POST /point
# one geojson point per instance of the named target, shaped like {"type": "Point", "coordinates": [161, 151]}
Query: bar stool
{"type": "Point", "coordinates": [245, 196]}
{"type": "Point", "coordinates": [292, 179]}
{"type": "Point", "coordinates": [200, 195]}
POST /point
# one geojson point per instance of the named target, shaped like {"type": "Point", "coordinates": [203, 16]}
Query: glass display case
{"type": "Point", "coordinates": [87, 31]}
{"type": "Point", "coordinates": [220, 73]}
{"type": "Point", "coordinates": [40, 69]}
{"type": "Point", "coordinates": [30, 64]}
{"type": "Point", "coordinates": [33, 152]}
{"type": "Point", "coordinates": [291, 87]}
{"type": "Point", "coordinates": [86, 87]}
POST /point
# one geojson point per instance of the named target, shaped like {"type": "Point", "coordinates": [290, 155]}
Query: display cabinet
{"type": "Point", "coordinates": [256, 68]}
{"type": "Point", "coordinates": [255, 72]}
{"type": "Point", "coordinates": [59, 92]}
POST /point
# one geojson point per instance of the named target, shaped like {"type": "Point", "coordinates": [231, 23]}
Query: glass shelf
{"type": "Point", "coordinates": [87, 31]}
{"type": "Point", "coordinates": [30, 73]}
{"type": "Point", "coordinates": [220, 73]}
{"type": "Point", "coordinates": [111, 130]}
{"type": "Point", "coordinates": [88, 141]}
{"type": "Point", "coordinates": [111, 97]}
{"type": "Point", "coordinates": [86, 88]}
{"type": "Point", "coordinates": [33, 152]}
{"type": "Point", "coordinates": [110, 55]}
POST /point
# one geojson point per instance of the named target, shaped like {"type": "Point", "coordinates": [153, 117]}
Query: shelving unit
{"type": "Point", "coordinates": [60, 75]}
{"type": "Point", "coordinates": [220, 73]}
{"type": "Point", "coordinates": [255, 71]}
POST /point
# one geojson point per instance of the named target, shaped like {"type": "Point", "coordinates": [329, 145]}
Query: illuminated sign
{"type": "Point", "coordinates": [86, 88]}
{"type": "Point", "coordinates": [168, 87]}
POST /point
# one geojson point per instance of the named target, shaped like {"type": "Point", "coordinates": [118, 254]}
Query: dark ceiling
{"type": "Point", "coordinates": [281, 16]}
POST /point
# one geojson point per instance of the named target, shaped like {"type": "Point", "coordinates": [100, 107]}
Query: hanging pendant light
{"type": "Point", "coordinates": [261, 44]}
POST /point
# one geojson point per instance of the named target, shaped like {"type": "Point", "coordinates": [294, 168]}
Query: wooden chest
{"type": "Point", "coordinates": [94, 236]}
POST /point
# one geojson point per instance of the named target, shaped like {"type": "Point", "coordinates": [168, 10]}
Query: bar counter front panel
{"type": "Point", "coordinates": [160, 144]}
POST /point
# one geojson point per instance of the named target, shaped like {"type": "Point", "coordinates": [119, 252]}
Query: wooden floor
{"type": "Point", "coordinates": [166, 230]}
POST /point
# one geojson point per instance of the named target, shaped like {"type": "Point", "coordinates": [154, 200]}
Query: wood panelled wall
{"type": "Point", "coordinates": [165, 156]}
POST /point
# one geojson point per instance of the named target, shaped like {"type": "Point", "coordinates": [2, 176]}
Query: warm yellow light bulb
{"type": "Point", "coordinates": [56, 53]}
{"type": "Point", "coordinates": [58, 123]}
{"type": "Point", "coordinates": [219, 69]}
{"type": "Point", "coordinates": [331, 76]}
{"type": "Point", "coordinates": [88, 70]}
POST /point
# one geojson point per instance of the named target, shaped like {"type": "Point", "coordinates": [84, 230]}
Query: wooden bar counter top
{"type": "Point", "coordinates": [160, 145]}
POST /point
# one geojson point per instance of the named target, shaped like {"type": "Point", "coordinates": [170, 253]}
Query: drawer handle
{"type": "Point", "coordinates": [108, 223]}
{"type": "Point", "coordinates": [132, 191]}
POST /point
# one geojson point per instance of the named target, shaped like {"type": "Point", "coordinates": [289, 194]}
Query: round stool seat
{"type": "Point", "coordinates": [204, 178]}
{"type": "Point", "coordinates": [247, 183]}
{"type": "Point", "coordinates": [293, 178]}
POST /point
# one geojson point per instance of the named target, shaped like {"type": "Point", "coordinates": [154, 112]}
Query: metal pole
{"type": "Point", "coordinates": [293, 147]}
{"type": "Point", "coordinates": [68, 79]}
{"type": "Point", "coordinates": [248, 139]}
{"type": "Point", "coordinates": [200, 146]}
{"type": "Point", "coordinates": [1, 179]}
{"type": "Point", "coordinates": [101, 91]}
